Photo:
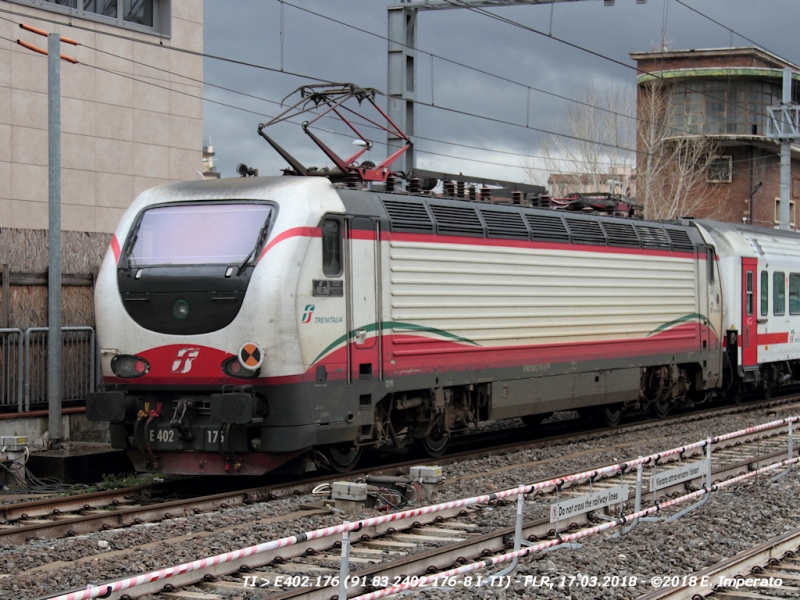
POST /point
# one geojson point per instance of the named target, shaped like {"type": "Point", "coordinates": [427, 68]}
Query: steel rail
{"type": "Point", "coordinates": [53, 506]}
{"type": "Point", "coordinates": [127, 516]}
{"type": "Point", "coordinates": [143, 583]}
{"type": "Point", "coordinates": [744, 562]}
{"type": "Point", "coordinates": [497, 541]}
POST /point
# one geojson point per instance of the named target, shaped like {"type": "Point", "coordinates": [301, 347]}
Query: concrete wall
{"type": "Point", "coordinates": [75, 425]}
{"type": "Point", "coordinates": [131, 116]}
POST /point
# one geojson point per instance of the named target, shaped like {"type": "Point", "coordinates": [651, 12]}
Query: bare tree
{"type": "Point", "coordinates": [673, 158]}
{"type": "Point", "coordinates": [591, 145]}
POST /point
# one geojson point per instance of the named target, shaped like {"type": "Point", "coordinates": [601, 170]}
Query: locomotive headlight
{"type": "Point", "coordinates": [180, 310]}
{"type": "Point", "coordinates": [128, 366]}
{"type": "Point", "coordinates": [232, 367]}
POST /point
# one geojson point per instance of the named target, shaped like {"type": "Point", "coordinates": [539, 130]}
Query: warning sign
{"type": "Point", "coordinates": [593, 501]}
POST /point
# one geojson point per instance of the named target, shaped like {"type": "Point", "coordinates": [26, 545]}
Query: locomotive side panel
{"type": "Point", "coordinates": [489, 312]}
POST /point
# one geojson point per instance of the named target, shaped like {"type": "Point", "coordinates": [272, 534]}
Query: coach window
{"type": "Point", "coordinates": [749, 293]}
{"type": "Point", "coordinates": [778, 293]}
{"type": "Point", "coordinates": [794, 294]}
{"type": "Point", "coordinates": [331, 248]}
{"type": "Point", "coordinates": [764, 294]}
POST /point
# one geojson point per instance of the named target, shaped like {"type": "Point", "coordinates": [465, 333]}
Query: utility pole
{"type": "Point", "coordinates": [784, 126]}
{"type": "Point", "coordinates": [54, 58]}
{"type": "Point", "coordinates": [402, 60]}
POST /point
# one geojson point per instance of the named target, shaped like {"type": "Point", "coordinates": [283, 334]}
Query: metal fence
{"type": "Point", "coordinates": [77, 364]}
{"type": "Point", "coordinates": [23, 366]}
{"type": "Point", "coordinates": [11, 368]}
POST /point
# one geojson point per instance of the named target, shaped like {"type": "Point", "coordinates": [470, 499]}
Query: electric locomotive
{"type": "Point", "coordinates": [247, 322]}
{"type": "Point", "coordinates": [259, 323]}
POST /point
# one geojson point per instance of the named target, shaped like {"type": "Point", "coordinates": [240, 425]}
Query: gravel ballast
{"type": "Point", "coordinates": [733, 520]}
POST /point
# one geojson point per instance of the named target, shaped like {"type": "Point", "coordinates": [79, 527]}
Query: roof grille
{"type": "Point", "coordinates": [408, 216]}
{"type": "Point", "coordinates": [586, 231]}
{"type": "Point", "coordinates": [504, 224]}
{"type": "Point", "coordinates": [653, 237]}
{"type": "Point", "coordinates": [621, 234]}
{"type": "Point", "coordinates": [547, 227]}
{"type": "Point", "coordinates": [680, 240]}
{"type": "Point", "coordinates": [457, 220]}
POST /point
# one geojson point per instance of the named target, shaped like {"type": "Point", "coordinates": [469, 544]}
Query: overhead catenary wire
{"type": "Point", "coordinates": [491, 15]}
{"type": "Point", "coordinates": [439, 107]}
{"type": "Point", "coordinates": [433, 153]}
{"type": "Point", "coordinates": [245, 94]}
{"type": "Point", "coordinates": [419, 150]}
{"type": "Point", "coordinates": [744, 37]}
{"type": "Point", "coordinates": [508, 80]}
{"type": "Point", "coordinates": [488, 73]}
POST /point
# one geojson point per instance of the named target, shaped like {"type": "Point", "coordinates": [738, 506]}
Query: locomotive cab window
{"type": "Point", "coordinates": [710, 264]}
{"type": "Point", "coordinates": [778, 293]}
{"type": "Point", "coordinates": [331, 248]}
{"type": "Point", "coordinates": [794, 294]}
{"type": "Point", "coordinates": [199, 234]}
{"type": "Point", "coordinates": [764, 291]}
{"type": "Point", "coordinates": [749, 294]}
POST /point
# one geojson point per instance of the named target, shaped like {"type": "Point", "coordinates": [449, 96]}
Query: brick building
{"type": "Point", "coordinates": [618, 180]}
{"type": "Point", "coordinates": [724, 93]}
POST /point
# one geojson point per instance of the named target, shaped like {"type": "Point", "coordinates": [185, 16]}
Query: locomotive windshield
{"type": "Point", "coordinates": [191, 234]}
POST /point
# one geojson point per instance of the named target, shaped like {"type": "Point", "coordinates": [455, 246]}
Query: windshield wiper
{"type": "Point", "coordinates": [262, 234]}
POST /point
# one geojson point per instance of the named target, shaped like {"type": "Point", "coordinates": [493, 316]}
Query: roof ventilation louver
{"type": "Point", "coordinates": [621, 234]}
{"type": "Point", "coordinates": [680, 240]}
{"type": "Point", "coordinates": [457, 220]}
{"type": "Point", "coordinates": [586, 231]}
{"type": "Point", "coordinates": [547, 227]}
{"type": "Point", "coordinates": [653, 237]}
{"type": "Point", "coordinates": [408, 216]}
{"type": "Point", "coordinates": [504, 224]}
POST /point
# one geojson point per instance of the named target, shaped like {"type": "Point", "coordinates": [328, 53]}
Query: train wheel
{"type": "Point", "coordinates": [532, 420]}
{"type": "Point", "coordinates": [611, 414]}
{"type": "Point", "coordinates": [433, 445]}
{"type": "Point", "coordinates": [342, 457]}
{"type": "Point", "coordinates": [737, 394]}
{"type": "Point", "coordinates": [660, 409]}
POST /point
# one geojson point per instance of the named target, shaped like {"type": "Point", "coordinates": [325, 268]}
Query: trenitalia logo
{"type": "Point", "coordinates": [183, 361]}
{"type": "Point", "coordinates": [309, 311]}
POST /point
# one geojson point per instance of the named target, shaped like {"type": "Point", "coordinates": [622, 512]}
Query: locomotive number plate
{"type": "Point", "coordinates": [163, 438]}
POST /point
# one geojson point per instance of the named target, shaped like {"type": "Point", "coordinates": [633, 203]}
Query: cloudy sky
{"type": "Point", "coordinates": [590, 44]}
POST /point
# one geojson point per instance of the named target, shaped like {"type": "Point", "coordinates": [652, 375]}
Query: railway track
{"type": "Point", "coordinates": [420, 548]}
{"type": "Point", "coordinates": [434, 541]}
{"type": "Point", "coordinates": [81, 514]}
{"type": "Point", "coordinates": [769, 570]}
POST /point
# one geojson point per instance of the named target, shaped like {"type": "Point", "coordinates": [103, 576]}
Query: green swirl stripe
{"type": "Point", "coordinates": [394, 325]}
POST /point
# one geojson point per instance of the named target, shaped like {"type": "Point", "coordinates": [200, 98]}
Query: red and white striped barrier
{"type": "Point", "coordinates": [496, 560]}
{"type": "Point", "coordinates": [103, 590]}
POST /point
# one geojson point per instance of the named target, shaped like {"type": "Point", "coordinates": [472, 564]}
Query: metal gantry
{"type": "Point", "coordinates": [402, 60]}
{"type": "Point", "coordinates": [784, 126]}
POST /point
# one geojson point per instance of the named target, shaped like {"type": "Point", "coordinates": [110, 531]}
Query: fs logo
{"type": "Point", "coordinates": [309, 310]}
{"type": "Point", "coordinates": [183, 361]}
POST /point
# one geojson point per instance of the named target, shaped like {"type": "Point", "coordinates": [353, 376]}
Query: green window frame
{"type": "Point", "coordinates": [794, 294]}
{"type": "Point", "coordinates": [778, 293]}
{"type": "Point", "coordinates": [764, 293]}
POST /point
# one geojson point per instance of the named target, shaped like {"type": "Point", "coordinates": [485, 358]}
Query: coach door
{"type": "Point", "coordinates": [749, 335]}
{"type": "Point", "coordinates": [364, 315]}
